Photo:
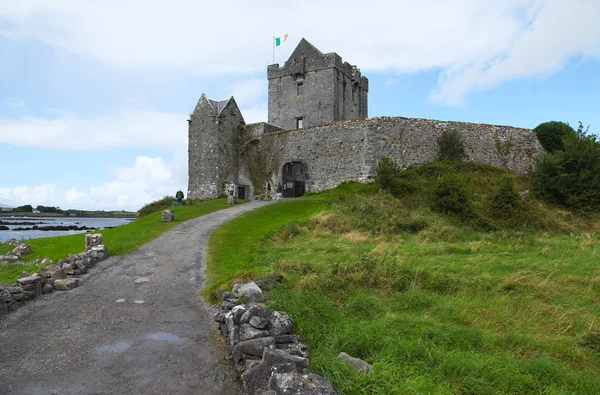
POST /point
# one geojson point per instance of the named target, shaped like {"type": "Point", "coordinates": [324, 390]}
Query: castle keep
{"type": "Point", "coordinates": [318, 134]}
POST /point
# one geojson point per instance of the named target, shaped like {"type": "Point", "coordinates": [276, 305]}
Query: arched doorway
{"type": "Point", "coordinates": [293, 176]}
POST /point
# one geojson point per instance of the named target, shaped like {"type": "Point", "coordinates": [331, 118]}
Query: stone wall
{"type": "Point", "coordinates": [269, 358]}
{"type": "Point", "coordinates": [350, 150]}
{"type": "Point", "coordinates": [62, 276]}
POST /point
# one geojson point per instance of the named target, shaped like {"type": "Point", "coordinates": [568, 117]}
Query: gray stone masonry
{"type": "Point", "coordinates": [319, 88]}
{"type": "Point", "coordinates": [214, 131]}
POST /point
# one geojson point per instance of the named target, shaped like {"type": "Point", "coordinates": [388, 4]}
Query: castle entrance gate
{"type": "Point", "coordinates": [293, 177]}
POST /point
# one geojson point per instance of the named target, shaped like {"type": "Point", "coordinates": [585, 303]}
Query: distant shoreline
{"type": "Point", "coordinates": [4, 214]}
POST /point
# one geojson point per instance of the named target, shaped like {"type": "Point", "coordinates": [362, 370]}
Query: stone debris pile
{"type": "Point", "coordinates": [54, 276]}
{"type": "Point", "coordinates": [270, 359]}
{"type": "Point", "coordinates": [17, 252]}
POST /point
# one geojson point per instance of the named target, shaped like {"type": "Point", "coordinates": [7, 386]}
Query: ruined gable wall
{"type": "Point", "coordinates": [349, 150]}
{"type": "Point", "coordinates": [213, 150]}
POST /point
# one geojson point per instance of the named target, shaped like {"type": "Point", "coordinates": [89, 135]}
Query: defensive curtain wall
{"type": "Point", "coordinates": [321, 157]}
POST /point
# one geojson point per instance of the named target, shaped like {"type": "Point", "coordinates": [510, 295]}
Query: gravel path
{"type": "Point", "coordinates": [136, 325]}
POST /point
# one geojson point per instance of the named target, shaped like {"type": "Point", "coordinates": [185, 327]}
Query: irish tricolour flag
{"type": "Point", "coordinates": [279, 40]}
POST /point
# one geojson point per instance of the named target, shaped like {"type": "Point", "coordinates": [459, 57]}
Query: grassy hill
{"type": "Point", "coordinates": [439, 301]}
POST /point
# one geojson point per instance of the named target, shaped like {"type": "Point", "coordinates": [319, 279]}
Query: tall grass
{"type": "Point", "coordinates": [437, 306]}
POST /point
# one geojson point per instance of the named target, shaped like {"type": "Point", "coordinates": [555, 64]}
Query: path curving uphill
{"type": "Point", "coordinates": [136, 325]}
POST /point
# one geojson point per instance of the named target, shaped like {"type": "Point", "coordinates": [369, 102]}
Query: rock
{"type": "Point", "coordinates": [93, 240]}
{"type": "Point", "coordinates": [252, 291]}
{"type": "Point", "coordinates": [3, 308]}
{"type": "Point", "coordinates": [28, 295]}
{"type": "Point", "coordinates": [281, 323]}
{"type": "Point", "coordinates": [256, 379]}
{"type": "Point", "coordinates": [23, 275]}
{"type": "Point", "coordinates": [168, 215]}
{"type": "Point", "coordinates": [258, 322]}
{"type": "Point", "coordinates": [66, 284]}
{"type": "Point", "coordinates": [282, 339]}
{"type": "Point", "coordinates": [359, 364]}
{"type": "Point", "coordinates": [4, 227]}
{"type": "Point", "coordinates": [298, 348]}
{"type": "Point", "coordinates": [5, 296]}
{"type": "Point", "coordinates": [273, 356]}
{"type": "Point", "coordinates": [9, 258]}
{"type": "Point", "coordinates": [47, 288]}
{"type": "Point", "coordinates": [219, 316]}
{"type": "Point", "coordinates": [230, 199]}
{"type": "Point", "coordinates": [238, 311]}
{"type": "Point", "coordinates": [97, 253]}
{"type": "Point", "coordinates": [227, 305]}
{"type": "Point", "coordinates": [296, 383]}
{"type": "Point", "coordinates": [248, 332]}
{"type": "Point", "coordinates": [255, 311]}
{"type": "Point", "coordinates": [28, 280]}
{"type": "Point", "coordinates": [228, 297]}
{"type": "Point", "coordinates": [14, 290]}
{"type": "Point", "coordinates": [21, 249]}
{"type": "Point", "coordinates": [235, 289]}
{"type": "Point", "coordinates": [251, 347]}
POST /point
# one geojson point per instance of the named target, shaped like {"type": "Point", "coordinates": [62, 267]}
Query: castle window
{"type": "Point", "coordinates": [298, 123]}
{"type": "Point", "coordinates": [300, 88]}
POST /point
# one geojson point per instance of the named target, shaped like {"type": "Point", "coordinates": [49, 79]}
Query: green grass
{"type": "Point", "coordinates": [436, 308]}
{"type": "Point", "coordinates": [234, 248]}
{"type": "Point", "coordinates": [120, 240]}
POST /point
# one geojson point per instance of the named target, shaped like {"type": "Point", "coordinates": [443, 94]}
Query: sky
{"type": "Point", "coordinates": [94, 95]}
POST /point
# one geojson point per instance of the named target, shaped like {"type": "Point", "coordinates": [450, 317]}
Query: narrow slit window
{"type": "Point", "coordinates": [300, 88]}
{"type": "Point", "coordinates": [299, 123]}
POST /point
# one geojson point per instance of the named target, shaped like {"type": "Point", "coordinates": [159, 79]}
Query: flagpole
{"type": "Point", "coordinates": [273, 50]}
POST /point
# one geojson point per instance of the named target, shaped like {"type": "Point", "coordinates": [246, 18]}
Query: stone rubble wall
{"type": "Point", "coordinates": [61, 276]}
{"type": "Point", "coordinates": [350, 150]}
{"type": "Point", "coordinates": [269, 358]}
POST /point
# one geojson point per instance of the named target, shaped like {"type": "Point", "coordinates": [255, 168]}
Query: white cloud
{"type": "Point", "coordinates": [147, 180]}
{"type": "Point", "coordinates": [476, 44]}
{"type": "Point", "coordinates": [136, 128]}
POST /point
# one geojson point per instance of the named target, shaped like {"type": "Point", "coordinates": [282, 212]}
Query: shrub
{"type": "Point", "coordinates": [570, 177]}
{"type": "Point", "coordinates": [550, 134]}
{"type": "Point", "coordinates": [386, 172]}
{"type": "Point", "coordinates": [505, 201]}
{"type": "Point", "coordinates": [156, 205]}
{"type": "Point", "coordinates": [450, 196]}
{"type": "Point", "coordinates": [451, 146]}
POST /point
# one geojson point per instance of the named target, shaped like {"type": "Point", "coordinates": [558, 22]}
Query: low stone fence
{"type": "Point", "coordinates": [61, 276]}
{"type": "Point", "coordinates": [269, 358]}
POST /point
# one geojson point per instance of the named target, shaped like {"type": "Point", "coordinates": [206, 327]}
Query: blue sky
{"type": "Point", "coordinates": [94, 98]}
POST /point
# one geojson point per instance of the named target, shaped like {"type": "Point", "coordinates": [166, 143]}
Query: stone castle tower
{"type": "Point", "coordinates": [313, 89]}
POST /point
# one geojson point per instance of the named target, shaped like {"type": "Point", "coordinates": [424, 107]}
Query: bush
{"type": "Point", "coordinates": [156, 205]}
{"type": "Point", "coordinates": [570, 177]}
{"type": "Point", "coordinates": [505, 201]}
{"type": "Point", "coordinates": [451, 196]}
{"type": "Point", "coordinates": [386, 171]}
{"type": "Point", "coordinates": [550, 134]}
{"type": "Point", "coordinates": [451, 146]}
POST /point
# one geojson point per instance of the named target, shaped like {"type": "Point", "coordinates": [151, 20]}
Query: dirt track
{"type": "Point", "coordinates": [136, 325]}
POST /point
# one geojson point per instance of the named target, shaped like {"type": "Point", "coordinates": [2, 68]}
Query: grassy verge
{"type": "Point", "coordinates": [120, 240]}
{"type": "Point", "coordinates": [236, 247]}
{"type": "Point", "coordinates": [434, 305]}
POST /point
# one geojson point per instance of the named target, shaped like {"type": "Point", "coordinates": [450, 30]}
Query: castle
{"type": "Point", "coordinates": [318, 134]}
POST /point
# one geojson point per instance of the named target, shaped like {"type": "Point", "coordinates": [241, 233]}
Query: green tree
{"type": "Point", "coordinates": [550, 134]}
{"type": "Point", "coordinates": [570, 177]}
{"type": "Point", "coordinates": [451, 146]}
{"type": "Point", "coordinates": [28, 208]}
